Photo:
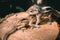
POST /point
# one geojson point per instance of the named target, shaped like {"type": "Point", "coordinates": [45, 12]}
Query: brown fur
{"type": "Point", "coordinates": [34, 9]}
{"type": "Point", "coordinates": [46, 18]}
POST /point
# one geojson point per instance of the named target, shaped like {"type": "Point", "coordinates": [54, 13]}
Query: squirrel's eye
{"type": "Point", "coordinates": [31, 11]}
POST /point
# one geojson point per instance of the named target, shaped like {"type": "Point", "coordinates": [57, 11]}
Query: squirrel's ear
{"type": "Point", "coordinates": [37, 1]}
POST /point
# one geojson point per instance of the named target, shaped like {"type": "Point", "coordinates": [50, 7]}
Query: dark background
{"type": "Point", "coordinates": [9, 6]}
{"type": "Point", "coordinates": [54, 3]}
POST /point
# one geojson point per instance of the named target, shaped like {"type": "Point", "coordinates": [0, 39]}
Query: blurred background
{"type": "Point", "coordinates": [13, 6]}
{"type": "Point", "coordinates": [9, 6]}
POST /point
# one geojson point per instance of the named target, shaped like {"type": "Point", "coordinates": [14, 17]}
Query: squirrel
{"type": "Point", "coordinates": [14, 20]}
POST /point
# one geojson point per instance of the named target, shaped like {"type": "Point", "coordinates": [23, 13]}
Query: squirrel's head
{"type": "Point", "coordinates": [33, 10]}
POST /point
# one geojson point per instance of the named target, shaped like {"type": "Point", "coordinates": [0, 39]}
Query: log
{"type": "Point", "coordinates": [45, 32]}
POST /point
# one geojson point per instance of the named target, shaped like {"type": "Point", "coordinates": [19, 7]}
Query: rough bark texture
{"type": "Point", "coordinates": [45, 32]}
